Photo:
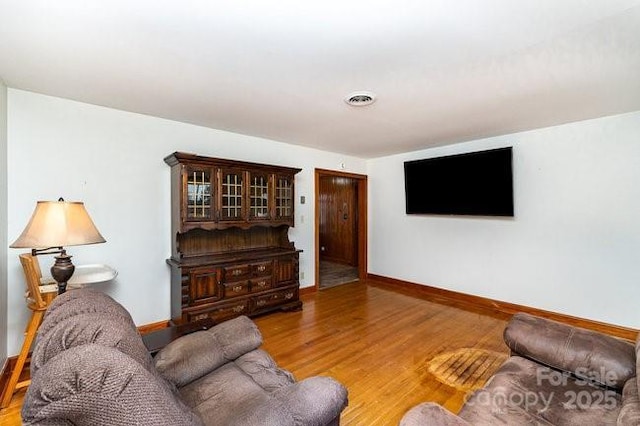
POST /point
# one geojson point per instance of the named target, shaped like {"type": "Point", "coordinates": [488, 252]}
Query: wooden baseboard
{"type": "Point", "coordinates": [455, 298]}
{"type": "Point", "coordinates": [307, 290]}
{"type": "Point", "coordinates": [155, 326]}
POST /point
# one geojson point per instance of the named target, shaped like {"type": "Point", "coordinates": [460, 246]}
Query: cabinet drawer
{"type": "Point", "coordinates": [221, 313]}
{"type": "Point", "coordinates": [237, 288]}
{"type": "Point", "coordinates": [276, 298]}
{"type": "Point", "coordinates": [233, 273]}
{"type": "Point", "coordinates": [262, 268]}
{"type": "Point", "coordinates": [261, 284]}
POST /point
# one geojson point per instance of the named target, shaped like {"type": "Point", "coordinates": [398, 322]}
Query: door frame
{"type": "Point", "coordinates": [362, 220]}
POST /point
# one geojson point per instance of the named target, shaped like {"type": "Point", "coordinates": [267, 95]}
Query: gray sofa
{"type": "Point", "coordinates": [90, 367]}
{"type": "Point", "coordinates": [557, 375]}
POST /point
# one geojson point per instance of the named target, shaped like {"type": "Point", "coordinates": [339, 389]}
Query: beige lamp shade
{"type": "Point", "coordinates": [58, 224]}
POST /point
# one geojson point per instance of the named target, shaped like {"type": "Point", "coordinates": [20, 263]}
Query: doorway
{"type": "Point", "coordinates": [341, 227]}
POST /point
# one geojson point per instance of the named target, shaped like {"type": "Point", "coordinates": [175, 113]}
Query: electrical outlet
{"type": "Point", "coordinates": [302, 275]}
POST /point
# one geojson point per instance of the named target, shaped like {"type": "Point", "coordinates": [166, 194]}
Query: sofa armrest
{"type": "Point", "coordinates": [192, 356]}
{"type": "Point", "coordinates": [314, 401]}
{"type": "Point", "coordinates": [430, 413]}
{"type": "Point", "coordinates": [587, 354]}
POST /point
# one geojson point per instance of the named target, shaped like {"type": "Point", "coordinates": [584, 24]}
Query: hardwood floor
{"type": "Point", "coordinates": [10, 416]}
{"type": "Point", "coordinates": [378, 342]}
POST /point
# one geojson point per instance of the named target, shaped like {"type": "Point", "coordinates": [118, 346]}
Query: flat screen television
{"type": "Point", "coordinates": [476, 183]}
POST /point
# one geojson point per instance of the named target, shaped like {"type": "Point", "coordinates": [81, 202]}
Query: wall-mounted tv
{"type": "Point", "coordinates": [476, 183]}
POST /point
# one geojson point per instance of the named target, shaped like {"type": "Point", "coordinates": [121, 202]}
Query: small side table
{"type": "Point", "coordinates": [91, 274]}
{"type": "Point", "coordinates": [158, 339]}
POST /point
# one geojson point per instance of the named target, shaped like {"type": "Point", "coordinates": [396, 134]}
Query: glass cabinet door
{"type": "Point", "coordinates": [259, 192]}
{"type": "Point", "coordinates": [284, 197]}
{"type": "Point", "coordinates": [199, 193]}
{"type": "Point", "coordinates": [232, 194]}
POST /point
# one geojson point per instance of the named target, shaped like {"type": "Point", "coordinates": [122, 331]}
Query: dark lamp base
{"type": "Point", "coordinates": [62, 270]}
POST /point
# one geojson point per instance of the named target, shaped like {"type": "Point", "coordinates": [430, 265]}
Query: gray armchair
{"type": "Point", "coordinates": [90, 367]}
{"type": "Point", "coordinates": [557, 375]}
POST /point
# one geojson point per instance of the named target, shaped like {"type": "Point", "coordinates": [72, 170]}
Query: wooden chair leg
{"type": "Point", "coordinates": [32, 328]}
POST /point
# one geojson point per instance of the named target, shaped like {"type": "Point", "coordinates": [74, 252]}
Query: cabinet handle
{"type": "Point", "coordinates": [262, 268]}
{"type": "Point", "coordinates": [236, 272]}
{"type": "Point", "coordinates": [288, 296]}
{"type": "Point", "coordinates": [261, 302]}
{"type": "Point", "coordinates": [237, 309]}
{"type": "Point", "coordinates": [262, 284]}
{"type": "Point", "coordinates": [237, 288]}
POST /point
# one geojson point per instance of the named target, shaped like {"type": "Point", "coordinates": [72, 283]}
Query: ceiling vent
{"type": "Point", "coordinates": [360, 99]}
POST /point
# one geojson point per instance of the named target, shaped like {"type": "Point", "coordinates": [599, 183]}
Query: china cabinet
{"type": "Point", "coordinates": [231, 253]}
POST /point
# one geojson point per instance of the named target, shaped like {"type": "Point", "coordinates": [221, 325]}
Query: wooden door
{"type": "Point", "coordinates": [339, 219]}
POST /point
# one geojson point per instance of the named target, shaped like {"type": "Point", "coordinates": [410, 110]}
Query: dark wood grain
{"type": "Point", "coordinates": [339, 219]}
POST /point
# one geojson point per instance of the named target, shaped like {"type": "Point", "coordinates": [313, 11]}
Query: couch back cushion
{"type": "Point", "coordinates": [97, 328]}
{"type": "Point", "coordinates": [82, 312]}
{"type": "Point", "coordinates": [82, 301]}
{"type": "Point", "coordinates": [194, 355]}
{"type": "Point", "coordinates": [97, 385]}
{"type": "Point", "coordinates": [584, 353]}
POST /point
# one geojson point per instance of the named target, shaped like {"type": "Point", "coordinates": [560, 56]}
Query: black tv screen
{"type": "Point", "coordinates": [477, 183]}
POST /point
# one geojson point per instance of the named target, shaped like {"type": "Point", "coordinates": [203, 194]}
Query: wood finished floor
{"type": "Point", "coordinates": [374, 340]}
{"type": "Point", "coordinates": [377, 342]}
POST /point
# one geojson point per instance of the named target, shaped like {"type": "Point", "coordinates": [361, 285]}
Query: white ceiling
{"type": "Point", "coordinates": [444, 71]}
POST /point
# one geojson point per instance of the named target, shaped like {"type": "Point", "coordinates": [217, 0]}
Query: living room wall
{"type": "Point", "coordinates": [3, 221]}
{"type": "Point", "coordinates": [113, 161]}
{"type": "Point", "coordinates": [573, 246]}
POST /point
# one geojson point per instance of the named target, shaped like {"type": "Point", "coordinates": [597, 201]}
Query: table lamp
{"type": "Point", "coordinates": [53, 226]}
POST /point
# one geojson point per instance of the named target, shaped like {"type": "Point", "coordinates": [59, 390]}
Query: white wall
{"type": "Point", "coordinates": [573, 246]}
{"type": "Point", "coordinates": [3, 222]}
{"type": "Point", "coordinates": [113, 161]}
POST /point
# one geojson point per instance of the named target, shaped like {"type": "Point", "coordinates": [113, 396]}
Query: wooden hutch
{"type": "Point", "coordinates": [230, 250]}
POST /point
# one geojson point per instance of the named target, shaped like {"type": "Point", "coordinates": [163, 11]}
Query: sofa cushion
{"type": "Point", "coordinates": [583, 353]}
{"type": "Point", "coordinates": [231, 397]}
{"type": "Point", "coordinates": [223, 394]}
{"type": "Point", "coordinates": [194, 355]}
{"type": "Point", "coordinates": [97, 385]}
{"type": "Point", "coordinates": [525, 392]}
{"type": "Point", "coordinates": [263, 370]}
